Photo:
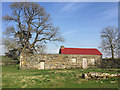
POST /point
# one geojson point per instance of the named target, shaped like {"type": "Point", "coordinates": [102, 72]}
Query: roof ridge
{"type": "Point", "coordinates": [85, 51]}
{"type": "Point", "coordinates": [81, 48]}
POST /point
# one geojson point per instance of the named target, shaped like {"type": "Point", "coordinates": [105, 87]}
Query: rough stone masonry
{"type": "Point", "coordinates": [58, 61]}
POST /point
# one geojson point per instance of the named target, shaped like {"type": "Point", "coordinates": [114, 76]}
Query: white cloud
{"type": "Point", "coordinates": [72, 7]}
{"type": "Point", "coordinates": [70, 32]}
{"type": "Point", "coordinates": [52, 51]}
{"type": "Point", "coordinates": [109, 14]}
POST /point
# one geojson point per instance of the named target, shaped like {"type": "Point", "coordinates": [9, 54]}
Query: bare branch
{"type": "Point", "coordinates": [109, 37]}
{"type": "Point", "coordinates": [32, 25]}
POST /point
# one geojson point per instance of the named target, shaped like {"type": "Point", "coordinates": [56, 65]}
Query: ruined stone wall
{"type": "Point", "coordinates": [57, 61]}
{"type": "Point", "coordinates": [110, 63]}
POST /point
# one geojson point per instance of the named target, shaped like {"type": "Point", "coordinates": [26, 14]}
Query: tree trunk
{"type": "Point", "coordinates": [112, 51]}
{"type": "Point", "coordinates": [112, 55]}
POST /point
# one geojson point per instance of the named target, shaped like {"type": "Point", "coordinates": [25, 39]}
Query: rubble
{"type": "Point", "coordinates": [98, 75]}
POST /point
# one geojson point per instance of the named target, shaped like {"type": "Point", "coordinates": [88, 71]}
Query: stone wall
{"type": "Point", "coordinates": [110, 63]}
{"type": "Point", "coordinates": [57, 61]}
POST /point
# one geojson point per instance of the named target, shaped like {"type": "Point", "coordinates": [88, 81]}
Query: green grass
{"type": "Point", "coordinates": [13, 78]}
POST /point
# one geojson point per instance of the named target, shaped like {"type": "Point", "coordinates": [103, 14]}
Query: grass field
{"type": "Point", "coordinates": [14, 78]}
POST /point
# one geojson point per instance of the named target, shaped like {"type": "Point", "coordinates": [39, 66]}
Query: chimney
{"type": "Point", "coordinates": [62, 47]}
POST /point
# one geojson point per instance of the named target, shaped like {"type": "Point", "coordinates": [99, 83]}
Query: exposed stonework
{"type": "Point", "coordinates": [98, 75]}
{"type": "Point", "coordinates": [57, 61]}
{"type": "Point", "coordinates": [110, 63]}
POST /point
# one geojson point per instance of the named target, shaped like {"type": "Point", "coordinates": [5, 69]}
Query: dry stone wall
{"type": "Point", "coordinates": [98, 75]}
{"type": "Point", "coordinates": [110, 63]}
{"type": "Point", "coordinates": [57, 61]}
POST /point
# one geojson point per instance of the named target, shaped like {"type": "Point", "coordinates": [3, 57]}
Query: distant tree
{"type": "Point", "coordinates": [109, 45]}
{"type": "Point", "coordinates": [32, 28]}
{"type": "Point", "coordinates": [12, 54]}
{"type": "Point", "coordinates": [11, 48]}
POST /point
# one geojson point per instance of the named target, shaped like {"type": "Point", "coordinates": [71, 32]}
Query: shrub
{"type": "Point", "coordinates": [8, 61]}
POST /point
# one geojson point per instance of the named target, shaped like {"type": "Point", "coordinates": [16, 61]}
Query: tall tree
{"type": "Point", "coordinates": [31, 26]}
{"type": "Point", "coordinates": [109, 45]}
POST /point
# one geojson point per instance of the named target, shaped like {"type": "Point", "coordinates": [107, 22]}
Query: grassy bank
{"type": "Point", "coordinates": [14, 78]}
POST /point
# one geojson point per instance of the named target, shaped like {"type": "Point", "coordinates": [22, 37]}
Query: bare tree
{"type": "Point", "coordinates": [11, 48]}
{"type": "Point", "coordinates": [109, 44]}
{"type": "Point", "coordinates": [31, 25]}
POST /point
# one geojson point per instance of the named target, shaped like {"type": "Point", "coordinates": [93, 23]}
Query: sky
{"type": "Point", "coordinates": [80, 23]}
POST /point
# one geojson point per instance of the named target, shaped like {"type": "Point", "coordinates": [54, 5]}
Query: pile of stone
{"type": "Point", "coordinates": [2, 64]}
{"type": "Point", "coordinates": [98, 75]}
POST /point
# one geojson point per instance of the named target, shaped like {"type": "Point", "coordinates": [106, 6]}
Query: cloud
{"type": "Point", "coordinates": [72, 7]}
{"type": "Point", "coordinates": [52, 51]}
{"type": "Point", "coordinates": [109, 14]}
{"type": "Point", "coordinates": [70, 32]}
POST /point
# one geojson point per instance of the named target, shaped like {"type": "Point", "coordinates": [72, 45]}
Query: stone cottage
{"type": "Point", "coordinates": [67, 58]}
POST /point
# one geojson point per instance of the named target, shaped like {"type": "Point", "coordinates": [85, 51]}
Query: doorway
{"type": "Point", "coordinates": [42, 65]}
{"type": "Point", "coordinates": [84, 63]}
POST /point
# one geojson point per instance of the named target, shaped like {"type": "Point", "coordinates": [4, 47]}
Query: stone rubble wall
{"type": "Point", "coordinates": [110, 63]}
{"type": "Point", "coordinates": [57, 61]}
{"type": "Point", "coordinates": [98, 75]}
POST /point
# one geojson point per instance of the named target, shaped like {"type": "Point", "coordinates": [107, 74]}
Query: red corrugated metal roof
{"type": "Point", "coordinates": [82, 51]}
